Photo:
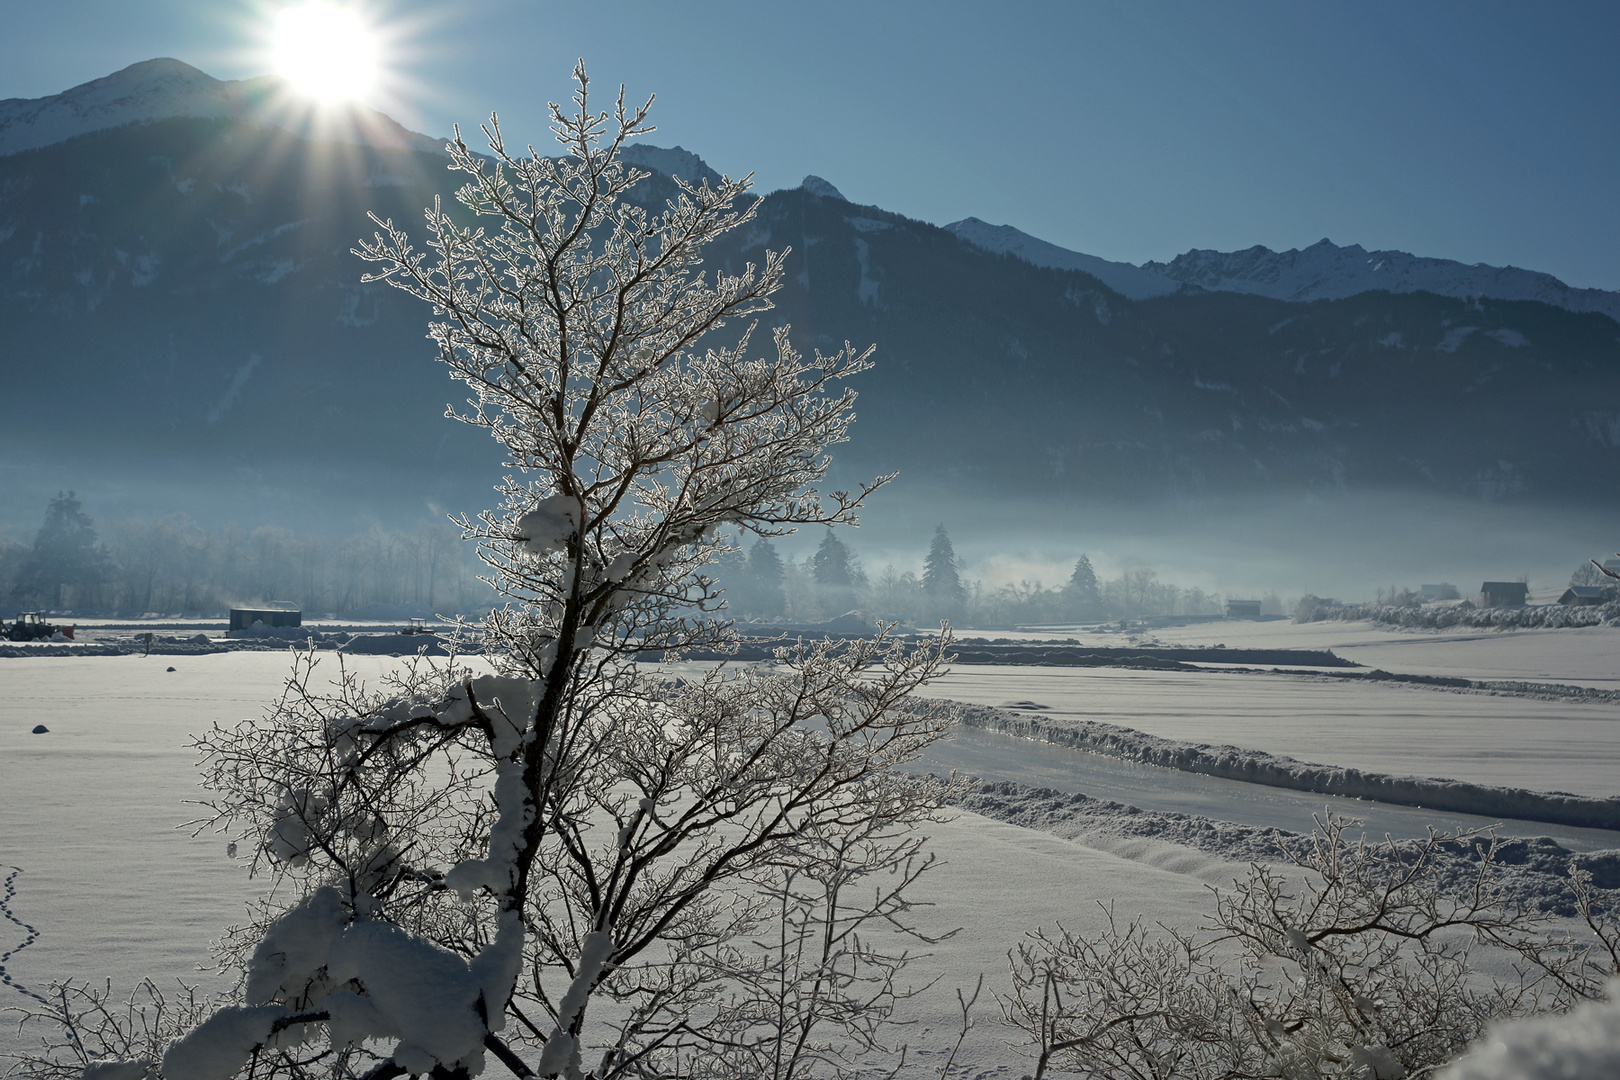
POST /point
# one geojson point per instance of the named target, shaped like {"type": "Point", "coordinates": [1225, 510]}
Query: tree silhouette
{"type": "Point", "coordinates": [837, 574]}
{"type": "Point", "coordinates": [941, 582]}
{"type": "Point", "coordinates": [1083, 597]}
{"type": "Point", "coordinates": [765, 571]}
{"type": "Point", "coordinates": [67, 566]}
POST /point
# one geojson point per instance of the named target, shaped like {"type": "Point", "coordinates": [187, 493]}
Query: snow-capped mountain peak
{"type": "Point", "coordinates": [1124, 278]}
{"type": "Point", "coordinates": [1322, 271]}
{"type": "Point", "coordinates": [1326, 271]}
{"type": "Point", "coordinates": [815, 185]}
{"type": "Point", "coordinates": [671, 161]}
{"type": "Point", "coordinates": [164, 88]}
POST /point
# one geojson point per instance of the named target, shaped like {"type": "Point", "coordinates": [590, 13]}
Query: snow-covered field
{"type": "Point", "coordinates": [112, 887]}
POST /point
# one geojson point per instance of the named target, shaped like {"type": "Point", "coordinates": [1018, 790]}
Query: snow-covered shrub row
{"type": "Point", "coordinates": [1273, 770]}
{"type": "Point", "coordinates": [1446, 616]}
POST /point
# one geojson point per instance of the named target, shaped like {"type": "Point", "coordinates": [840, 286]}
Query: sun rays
{"type": "Point", "coordinates": [325, 52]}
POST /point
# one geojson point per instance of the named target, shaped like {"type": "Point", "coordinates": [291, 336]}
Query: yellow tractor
{"type": "Point", "coordinates": [31, 626]}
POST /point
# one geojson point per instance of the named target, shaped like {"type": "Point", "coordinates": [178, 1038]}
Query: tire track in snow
{"type": "Point", "coordinates": [33, 936]}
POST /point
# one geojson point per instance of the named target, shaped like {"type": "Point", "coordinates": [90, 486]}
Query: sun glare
{"type": "Point", "coordinates": [325, 51]}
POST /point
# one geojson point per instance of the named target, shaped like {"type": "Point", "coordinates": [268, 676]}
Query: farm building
{"type": "Point", "coordinates": [1585, 594]}
{"type": "Point", "coordinates": [277, 613]}
{"type": "Point", "coordinates": [1243, 609]}
{"type": "Point", "coordinates": [1503, 594]}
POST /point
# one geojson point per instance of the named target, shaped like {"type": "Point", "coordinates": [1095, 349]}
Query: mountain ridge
{"type": "Point", "coordinates": [1323, 271]}
{"type": "Point", "coordinates": [182, 291]}
{"type": "Point", "coordinates": [164, 88]}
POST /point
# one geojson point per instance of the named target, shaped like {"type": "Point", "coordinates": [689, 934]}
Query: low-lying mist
{"type": "Point", "coordinates": [1348, 545]}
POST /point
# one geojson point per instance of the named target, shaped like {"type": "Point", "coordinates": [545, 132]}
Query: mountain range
{"type": "Point", "coordinates": [183, 314]}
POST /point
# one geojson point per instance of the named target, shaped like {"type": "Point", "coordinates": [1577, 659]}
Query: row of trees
{"type": "Point", "coordinates": [761, 583]}
{"type": "Point", "coordinates": [172, 564]}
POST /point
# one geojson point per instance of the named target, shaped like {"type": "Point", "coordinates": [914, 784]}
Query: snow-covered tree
{"type": "Point", "coordinates": [940, 579]}
{"type": "Point", "coordinates": [570, 866]}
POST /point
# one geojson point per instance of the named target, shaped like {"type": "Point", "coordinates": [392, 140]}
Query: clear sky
{"type": "Point", "coordinates": [1479, 131]}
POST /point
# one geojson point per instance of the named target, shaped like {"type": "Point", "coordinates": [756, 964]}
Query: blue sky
{"type": "Point", "coordinates": [1481, 131]}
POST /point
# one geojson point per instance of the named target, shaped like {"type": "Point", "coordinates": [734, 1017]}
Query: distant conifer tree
{"type": "Point", "coordinates": [941, 582]}
{"type": "Point", "coordinates": [765, 569]}
{"type": "Point", "coordinates": [1082, 595]}
{"type": "Point", "coordinates": [67, 566]}
{"type": "Point", "coordinates": [837, 574]}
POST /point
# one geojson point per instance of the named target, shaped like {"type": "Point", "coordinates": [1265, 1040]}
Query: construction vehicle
{"type": "Point", "coordinates": [31, 626]}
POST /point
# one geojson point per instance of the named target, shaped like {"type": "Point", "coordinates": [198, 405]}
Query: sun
{"type": "Point", "coordinates": [325, 51]}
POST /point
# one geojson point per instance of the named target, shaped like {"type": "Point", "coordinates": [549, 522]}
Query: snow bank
{"type": "Point", "coordinates": [1445, 617]}
{"type": "Point", "coordinates": [1584, 1042]}
{"type": "Point", "coordinates": [1533, 871]}
{"type": "Point", "coordinates": [1259, 767]}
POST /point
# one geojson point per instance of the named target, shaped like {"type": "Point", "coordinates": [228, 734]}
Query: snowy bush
{"type": "Point", "coordinates": [1354, 959]}
{"type": "Point", "coordinates": [570, 866]}
{"type": "Point", "coordinates": [1446, 616]}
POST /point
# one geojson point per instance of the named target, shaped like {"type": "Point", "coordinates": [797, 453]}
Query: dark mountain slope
{"type": "Point", "coordinates": [181, 296]}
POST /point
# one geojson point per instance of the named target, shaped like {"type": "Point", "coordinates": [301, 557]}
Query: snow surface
{"type": "Point", "coordinates": [164, 88]}
{"type": "Point", "coordinates": [114, 890]}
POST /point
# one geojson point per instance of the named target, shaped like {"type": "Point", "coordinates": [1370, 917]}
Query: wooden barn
{"type": "Point", "coordinates": [276, 614]}
{"type": "Point", "coordinates": [1585, 595]}
{"type": "Point", "coordinates": [1504, 594]}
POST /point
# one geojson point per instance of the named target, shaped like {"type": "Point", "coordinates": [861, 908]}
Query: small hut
{"type": "Point", "coordinates": [1585, 595]}
{"type": "Point", "coordinates": [1243, 609]}
{"type": "Point", "coordinates": [1504, 594]}
{"type": "Point", "coordinates": [275, 613]}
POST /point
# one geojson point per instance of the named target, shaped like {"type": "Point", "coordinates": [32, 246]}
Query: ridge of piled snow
{"type": "Point", "coordinates": [1533, 870]}
{"type": "Point", "coordinates": [1124, 278]}
{"type": "Point", "coordinates": [1272, 770]}
{"type": "Point", "coordinates": [164, 88]}
{"type": "Point", "coordinates": [1326, 271]}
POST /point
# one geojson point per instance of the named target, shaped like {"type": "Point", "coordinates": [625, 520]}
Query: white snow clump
{"type": "Point", "coordinates": [295, 947]}
{"type": "Point", "coordinates": [1584, 1042]}
{"type": "Point", "coordinates": [217, 1048]}
{"type": "Point", "coordinates": [551, 524]}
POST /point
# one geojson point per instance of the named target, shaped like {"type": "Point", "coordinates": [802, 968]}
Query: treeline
{"type": "Point", "coordinates": [171, 565]}
{"type": "Point", "coordinates": [762, 584]}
